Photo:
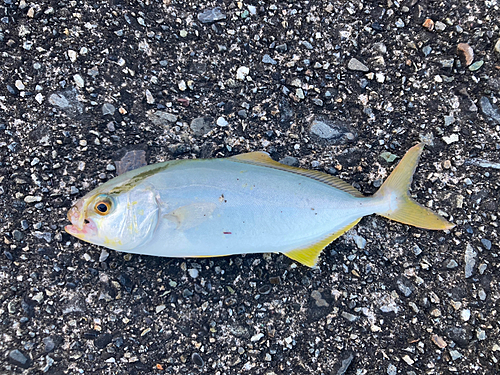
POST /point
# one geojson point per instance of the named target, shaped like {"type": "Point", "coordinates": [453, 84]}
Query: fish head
{"type": "Point", "coordinates": [117, 220]}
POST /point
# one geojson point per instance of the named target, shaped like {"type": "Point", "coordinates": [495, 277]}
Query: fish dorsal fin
{"type": "Point", "coordinates": [308, 256]}
{"type": "Point", "coordinates": [263, 159]}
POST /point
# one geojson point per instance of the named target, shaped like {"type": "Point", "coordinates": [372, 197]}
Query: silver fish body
{"type": "Point", "coordinates": [215, 207]}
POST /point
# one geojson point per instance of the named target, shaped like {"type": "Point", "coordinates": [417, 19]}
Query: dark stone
{"type": "Point", "coordinates": [17, 235]}
{"type": "Point", "coordinates": [344, 364]}
{"type": "Point", "coordinates": [126, 282]}
{"type": "Point", "coordinates": [17, 358]}
{"type": "Point", "coordinates": [197, 360]}
{"type": "Point", "coordinates": [103, 340]}
{"type": "Point", "coordinates": [459, 335]}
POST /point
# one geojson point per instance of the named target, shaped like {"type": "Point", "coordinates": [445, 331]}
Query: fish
{"type": "Point", "coordinates": [246, 203]}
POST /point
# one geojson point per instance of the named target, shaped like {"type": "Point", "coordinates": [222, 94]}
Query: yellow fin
{"type": "Point", "coordinates": [263, 159]}
{"type": "Point", "coordinates": [404, 209]}
{"type": "Point", "coordinates": [308, 256]}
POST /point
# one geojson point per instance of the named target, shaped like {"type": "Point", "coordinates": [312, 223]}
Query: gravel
{"type": "Point", "coordinates": [87, 86]}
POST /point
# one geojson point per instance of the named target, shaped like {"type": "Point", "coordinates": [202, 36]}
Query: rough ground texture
{"type": "Point", "coordinates": [344, 87]}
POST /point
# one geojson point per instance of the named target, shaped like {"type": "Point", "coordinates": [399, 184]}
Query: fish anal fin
{"type": "Point", "coordinates": [309, 255]}
{"type": "Point", "coordinates": [263, 159]}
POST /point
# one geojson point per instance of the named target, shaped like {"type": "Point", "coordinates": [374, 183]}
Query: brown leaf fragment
{"type": "Point", "coordinates": [428, 24]}
{"type": "Point", "coordinates": [438, 340]}
{"type": "Point", "coordinates": [131, 160]}
{"type": "Point", "coordinates": [466, 53]}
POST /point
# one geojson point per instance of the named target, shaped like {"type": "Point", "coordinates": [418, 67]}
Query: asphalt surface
{"type": "Point", "coordinates": [342, 87]}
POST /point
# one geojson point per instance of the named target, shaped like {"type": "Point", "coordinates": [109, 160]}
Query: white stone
{"type": "Point", "coordinates": [451, 139]}
{"type": "Point", "coordinates": [242, 72]}
{"type": "Point", "coordinates": [79, 80]}
{"type": "Point", "coordinates": [221, 121]}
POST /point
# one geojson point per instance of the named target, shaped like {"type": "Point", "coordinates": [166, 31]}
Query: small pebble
{"type": "Point", "coordinates": [197, 360]}
{"type": "Point", "coordinates": [17, 358]}
{"type": "Point", "coordinates": [149, 97]}
{"type": "Point", "coordinates": [486, 243]}
{"type": "Point", "coordinates": [266, 59]}
{"type": "Point", "coordinates": [79, 80]}
{"type": "Point", "coordinates": [480, 334]}
{"type": "Point", "coordinates": [108, 109]}
{"type": "Point", "coordinates": [465, 315]}
{"type": "Point", "coordinates": [104, 255]}
{"type": "Point", "coordinates": [211, 15]}
{"type": "Point", "coordinates": [466, 53]}
{"type": "Point", "coordinates": [39, 98]}
{"type": "Point", "coordinates": [350, 317]}
{"type": "Point", "coordinates": [221, 121]}
{"type": "Point", "coordinates": [476, 66]}
{"type": "Point", "coordinates": [182, 85]}
{"type": "Point", "coordinates": [242, 73]}
{"type": "Point", "coordinates": [449, 120]}
{"type": "Point", "coordinates": [355, 64]}
{"type": "Point", "coordinates": [19, 85]}
{"type": "Point", "coordinates": [439, 26]}
{"type": "Point", "coordinates": [428, 24]}
{"type": "Point", "coordinates": [470, 260]}
{"type": "Point", "coordinates": [455, 354]}
{"type": "Point", "coordinates": [193, 272]}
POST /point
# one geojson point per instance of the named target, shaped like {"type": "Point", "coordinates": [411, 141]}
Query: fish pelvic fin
{"type": "Point", "coordinates": [402, 207]}
{"type": "Point", "coordinates": [308, 256]}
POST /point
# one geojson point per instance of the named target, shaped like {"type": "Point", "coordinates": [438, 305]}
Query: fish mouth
{"type": "Point", "coordinates": [88, 230]}
{"type": "Point", "coordinates": [80, 226]}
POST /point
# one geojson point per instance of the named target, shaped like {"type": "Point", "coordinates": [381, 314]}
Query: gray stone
{"type": "Point", "coordinates": [470, 260]}
{"type": "Point", "coordinates": [447, 63]}
{"type": "Point", "coordinates": [290, 160]}
{"type": "Point", "coordinates": [16, 357]}
{"type": "Point", "coordinates": [486, 243]}
{"type": "Point", "coordinates": [329, 130]}
{"type": "Point", "coordinates": [448, 120]}
{"type": "Point", "coordinates": [405, 287]}
{"type": "Point", "coordinates": [346, 362]}
{"type": "Point", "coordinates": [392, 370]}
{"type": "Point", "coordinates": [201, 125]}
{"type": "Point", "coordinates": [306, 44]}
{"type": "Point", "coordinates": [108, 109]}
{"type": "Point", "coordinates": [318, 102]}
{"type": "Point", "coordinates": [282, 47]}
{"type": "Point", "coordinates": [490, 110]}
{"type": "Point", "coordinates": [17, 235]}
{"type": "Point", "coordinates": [455, 354]}
{"type": "Point", "coordinates": [211, 15]}
{"type": "Point", "coordinates": [350, 317]}
{"type": "Point", "coordinates": [355, 64]}
{"type": "Point", "coordinates": [161, 118]}
{"type": "Point", "coordinates": [426, 50]}
{"type": "Point", "coordinates": [266, 59]}
{"type": "Point", "coordinates": [451, 263]}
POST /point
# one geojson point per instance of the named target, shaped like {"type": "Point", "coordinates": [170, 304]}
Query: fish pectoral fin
{"type": "Point", "coordinates": [309, 255]}
{"type": "Point", "coordinates": [191, 215]}
{"type": "Point", "coordinates": [263, 159]}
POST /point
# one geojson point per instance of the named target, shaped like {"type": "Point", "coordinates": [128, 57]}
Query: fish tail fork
{"type": "Point", "coordinates": [402, 207]}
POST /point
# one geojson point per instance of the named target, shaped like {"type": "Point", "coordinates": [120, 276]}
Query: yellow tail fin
{"type": "Point", "coordinates": [403, 208]}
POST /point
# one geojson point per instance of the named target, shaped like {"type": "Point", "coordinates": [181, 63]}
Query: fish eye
{"type": "Point", "coordinates": [102, 207]}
